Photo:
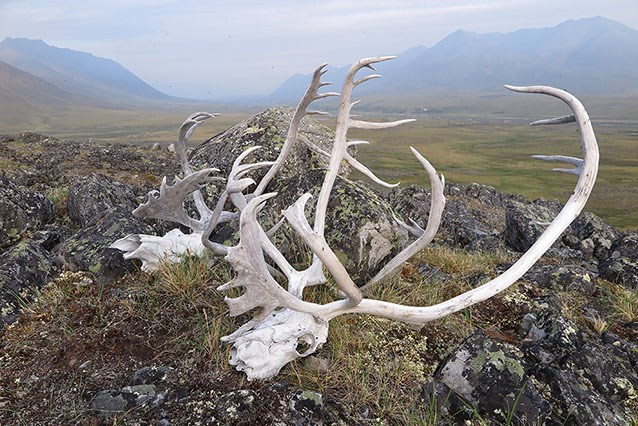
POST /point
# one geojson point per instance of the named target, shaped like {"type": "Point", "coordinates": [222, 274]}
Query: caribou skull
{"type": "Point", "coordinates": [285, 322]}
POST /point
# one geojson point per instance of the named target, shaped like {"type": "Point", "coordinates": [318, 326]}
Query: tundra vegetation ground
{"type": "Point", "coordinates": [81, 337]}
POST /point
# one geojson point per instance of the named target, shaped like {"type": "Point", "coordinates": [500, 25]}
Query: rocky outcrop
{"type": "Point", "coordinates": [25, 268]}
{"type": "Point", "coordinates": [591, 235]}
{"type": "Point", "coordinates": [525, 222]}
{"type": "Point", "coordinates": [99, 206]}
{"type": "Point", "coordinates": [103, 208]}
{"type": "Point", "coordinates": [26, 262]}
{"type": "Point", "coordinates": [21, 211]}
{"type": "Point", "coordinates": [490, 377]}
{"type": "Point", "coordinates": [560, 374]}
{"type": "Point", "coordinates": [267, 129]}
{"type": "Point", "coordinates": [621, 264]}
{"type": "Point", "coordinates": [473, 217]}
{"type": "Point", "coordinates": [93, 197]}
{"type": "Point", "coordinates": [371, 235]}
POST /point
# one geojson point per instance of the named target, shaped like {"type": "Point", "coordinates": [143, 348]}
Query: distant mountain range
{"type": "Point", "coordinates": [76, 77]}
{"type": "Point", "coordinates": [593, 56]}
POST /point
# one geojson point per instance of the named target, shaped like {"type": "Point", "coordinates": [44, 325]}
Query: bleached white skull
{"type": "Point", "coordinates": [282, 337]}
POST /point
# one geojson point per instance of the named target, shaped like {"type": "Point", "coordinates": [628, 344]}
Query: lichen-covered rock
{"type": "Point", "coordinates": [21, 211]}
{"type": "Point", "coordinates": [550, 336]}
{"type": "Point", "coordinates": [593, 234]}
{"type": "Point", "coordinates": [145, 389]}
{"type": "Point", "coordinates": [93, 197]}
{"type": "Point", "coordinates": [559, 375]}
{"type": "Point", "coordinates": [307, 408]}
{"type": "Point", "coordinates": [360, 227]}
{"type": "Point", "coordinates": [267, 129]}
{"type": "Point", "coordinates": [486, 374]}
{"type": "Point", "coordinates": [590, 379]}
{"type": "Point", "coordinates": [563, 278]}
{"type": "Point", "coordinates": [102, 207]}
{"type": "Point", "coordinates": [621, 264]}
{"type": "Point", "coordinates": [231, 407]}
{"type": "Point", "coordinates": [88, 249]}
{"type": "Point", "coordinates": [524, 222]}
{"type": "Point", "coordinates": [473, 215]}
{"type": "Point", "coordinates": [24, 268]}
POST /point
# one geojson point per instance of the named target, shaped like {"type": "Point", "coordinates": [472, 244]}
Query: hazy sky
{"type": "Point", "coordinates": [205, 49]}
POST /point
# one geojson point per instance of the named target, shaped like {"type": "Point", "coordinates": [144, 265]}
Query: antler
{"type": "Point", "coordinates": [587, 169]}
{"type": "Point", "coordinates": [271, 339]}
{"type": "Point", "coordinates": [312, 94]}
{"type": "Point", "coordinates": [304, 319]}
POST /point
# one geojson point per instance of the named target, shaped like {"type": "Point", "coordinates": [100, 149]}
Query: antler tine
{"type": "Point", "coordinates": [366, 171]}
{"type": "Point", "coordinates": [185, 131]}
{"type": "Point", "coordinates": [437, 205]}
{"type": "Point", "coordinates": [309, 96]}
{"type": "Point", "coordinates": [570, 118]}
{"type": "Point", "coordinates": [358, 124]}
{"type": "Point", "coordinates": [576, 162]}
{"type": "Point", "coordinates": [575, 204]}
{"type": "Point", "coordinates": [413, 229]}
{"type": "Point", "coordinates": [339, 153]}
{"type": "Point", "coordinates": [366, 78]}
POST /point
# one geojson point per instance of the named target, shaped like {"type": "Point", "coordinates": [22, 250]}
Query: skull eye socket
{"type": "Point", "coordinates": [305, 345]}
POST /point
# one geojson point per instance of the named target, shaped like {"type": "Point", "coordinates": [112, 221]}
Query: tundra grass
{"type": "Point", "coordinates": [498, 154]}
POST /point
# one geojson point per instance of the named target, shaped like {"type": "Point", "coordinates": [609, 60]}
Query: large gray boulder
{"type": "Point", "coordinates": [525, 222]}
{"type": "Point", "coordinates": [267, 129]}
{"type": "Point", "coordinates": [95, 196]}
{"type": "Point", "coordinates": [360, 227]}
{"type": "Point", "coordinates": [487, 375]}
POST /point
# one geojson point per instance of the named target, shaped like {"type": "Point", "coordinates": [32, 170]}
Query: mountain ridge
{"type": "Point", "coordinates": [76, 72]}
{"type": "Point", "coordinates": [592, 56]}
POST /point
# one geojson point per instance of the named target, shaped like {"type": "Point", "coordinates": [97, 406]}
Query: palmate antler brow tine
{"type": "Point", "coordinates": [167, 204]}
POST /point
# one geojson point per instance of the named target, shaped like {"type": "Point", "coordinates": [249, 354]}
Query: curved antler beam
{"type": "Point", "coordinates": [573, 207]}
